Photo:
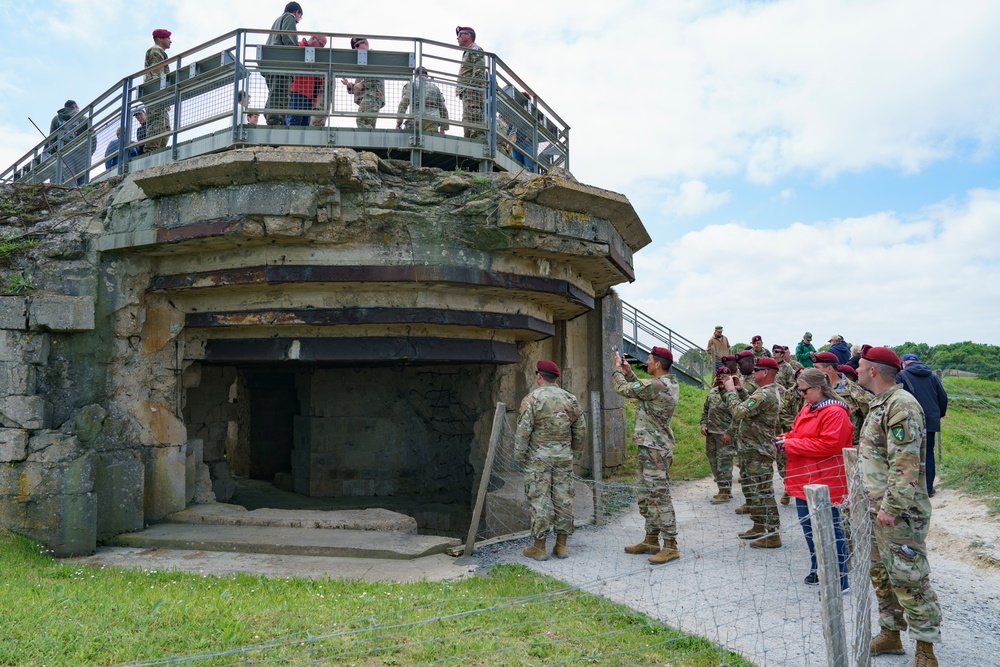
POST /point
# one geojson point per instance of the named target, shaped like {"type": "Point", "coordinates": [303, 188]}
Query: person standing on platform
{"type": "Point", "coordinates": [369, 94]}
{"type": "Point", "coordinates": [472, 78]}
{"type": "Point", "coordinates": [656, 400]}
{"type": "Point", "coordinates": [891, 458]}
{"type": "Point", "coordinates": [551, 428]}
{"type": "Point", "coordinates": [279, 85]}
{"type": "Point", "coordinates": [157, 115]}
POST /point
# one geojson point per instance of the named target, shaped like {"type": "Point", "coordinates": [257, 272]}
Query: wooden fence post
{"type": "Point", "coordinates": [831, 600]}
{"type": "Point", "coordinates": [484, 482]}
{"type": "Point", "coordinates": [860, 535]}
{"type": "Point", "coordinates": [598, 463]}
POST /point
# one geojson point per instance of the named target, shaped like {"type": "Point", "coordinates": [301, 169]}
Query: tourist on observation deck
{"type": "Point", "coordinates": [278, 85]}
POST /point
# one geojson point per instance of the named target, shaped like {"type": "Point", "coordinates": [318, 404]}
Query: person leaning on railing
{"type": "Point", "coordinates": [306, 91]}
{"type": "Point", "coordinates": [434, 107]}
{"type": "Point", "coordinates": [278, 84]}
{"type": "Point", "coordinates": [157, 118]}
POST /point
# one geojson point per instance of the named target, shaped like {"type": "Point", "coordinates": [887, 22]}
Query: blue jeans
{"type": "Point", "coordinates": [802, 507]}
{"type": "Point", "coordinates": [929, 461]}
{"type": "Point", "coordinates": [298, 101]}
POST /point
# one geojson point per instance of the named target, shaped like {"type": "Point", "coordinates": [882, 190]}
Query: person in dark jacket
{"type": "Point", "coordinates": [840, 348]}
{"type": "Point", "coordinates": [926, 387]}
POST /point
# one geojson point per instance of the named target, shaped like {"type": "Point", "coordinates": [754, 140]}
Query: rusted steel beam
{"type": "Point", "coordinates": [620, 263]}
{"type": "Point", "coordinates": [337, 316]}
{"type": "Point", "coordinates": [200, 230]}
{"type": "Point", "coordinates": [279, 275]}
{"type": "Point", "coordinates": [390, 351]}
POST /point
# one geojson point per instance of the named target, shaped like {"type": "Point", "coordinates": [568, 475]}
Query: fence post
{"type": "Point", "coordinates": [860, 534]}
{"type": "Point", "coordinates": [598, 464]}
{"type": "Point", "coordinates": [831, 600]}
{"type": "Point", "coordinates": [484, 481]}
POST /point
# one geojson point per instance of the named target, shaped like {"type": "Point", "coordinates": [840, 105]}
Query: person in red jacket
{"type": "Point", "coordinates": [822, 429]}
{"type": "Point", "coordinates": [306, 91]}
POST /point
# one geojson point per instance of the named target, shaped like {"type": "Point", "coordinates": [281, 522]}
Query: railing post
{"type": "Point", "coordinates": [237, 67]}
{"type": "Point", "coordinates": [598, 456]}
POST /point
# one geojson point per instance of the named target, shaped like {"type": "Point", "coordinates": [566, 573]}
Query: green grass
{"type": "Point", "coordinates": [56, 613]}
{"type": "Point", "coordinates": [970, 437]}
{"type": "Point", "coordinates": [690, 461]}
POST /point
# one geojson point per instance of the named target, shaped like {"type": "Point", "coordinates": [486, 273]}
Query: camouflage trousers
{"type": "Point", "coordinates": [780, 459]}
{"type": "Point", "coordinates": [756, 479]}
{"type": "Point", "coordinates": [720, 457]}
{"type": "Point", "coordinates": [901, 577]}
{"type": "Point", "coordinates": [548, 485]}
{"type": "Point", "coordinates": [653, 478]}
{"type": "Point", "coordinates": [157, 122]}
{"type": "Point", "coordinates": [472, 112]}
{"type": "Point", "coordinates": [368, 110]}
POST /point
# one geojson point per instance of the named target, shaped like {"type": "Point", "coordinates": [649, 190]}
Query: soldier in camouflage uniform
{"type": "Point", "coordinates": [756, 418]}
{"type": "Point", "coordinates": [471, 81]}
{"type": "Point", "coordinates": [656, 400]}
{"type": "Point", "coordinates": [786, 372]}
{"type": "Point", "coordinates": [757, 347]}
{"type": "Point", "coordinates": [891, 455]}
{"type": "Point", "coordinates": [434, 109]}
{"type": "Point", "coordinates": [744, 371]}
{"type": "Point", "coordinates": [369, 94]}
{"type": "Point", "coordinates": [717, 427]}
{"type": "Point", "coordinates": [551, 427]}
{"type": "Point", "coordinates": [157, 115]}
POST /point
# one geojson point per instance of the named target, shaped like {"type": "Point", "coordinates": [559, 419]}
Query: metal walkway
{"type": "Point", "coordinates": [640, 333]}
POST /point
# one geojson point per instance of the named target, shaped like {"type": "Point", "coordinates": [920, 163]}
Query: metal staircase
{"type": "Point", "coordinates": [640, 333]}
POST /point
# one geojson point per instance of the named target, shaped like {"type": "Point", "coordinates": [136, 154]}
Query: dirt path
{"type": "Point", "coordinates": [754, 601]}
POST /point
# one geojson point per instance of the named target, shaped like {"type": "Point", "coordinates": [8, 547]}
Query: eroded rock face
{"type": "Point", "coordinates": [392, 306]}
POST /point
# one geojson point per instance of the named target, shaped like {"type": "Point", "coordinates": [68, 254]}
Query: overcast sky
{"type": "Point", "coordinates": [821, 165]}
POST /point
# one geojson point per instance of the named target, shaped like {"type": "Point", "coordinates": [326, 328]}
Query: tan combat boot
{"type": "Point", "coordinates": [560, 550]}
{"type": "Point", "coordinates": [924, 656]}
{"type": "Point", "coordinates": [887, 642]}
{"type": "Point", "coordinates": [743, 509]}
{"type": "Point", "coordinates": [769, 541]}
{"type": "Point", "coordinates": [723, 496]}
{"type": "Point", "coordinates": [668, 553]}
{"type": "Point", "coordinates": [650, 545]}
{"type": "Point", "coordinates": [537, 551]}
{"type": "Point", "coordinates": [785, 499]}
{"type": "Point", "coordinates": [757, 530]}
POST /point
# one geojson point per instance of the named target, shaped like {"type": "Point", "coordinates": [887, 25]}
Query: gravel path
{"type": "Point", "coordinates": [754, 601]}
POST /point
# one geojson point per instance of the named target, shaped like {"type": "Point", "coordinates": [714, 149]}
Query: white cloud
{"type": "Point", "coordinates": [877, 279]}
{"type": "Point", "coordinates": [692, 198]}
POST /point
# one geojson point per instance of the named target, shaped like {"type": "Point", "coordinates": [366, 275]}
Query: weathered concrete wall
{"type": "Point", "coordinates": [123, 376]}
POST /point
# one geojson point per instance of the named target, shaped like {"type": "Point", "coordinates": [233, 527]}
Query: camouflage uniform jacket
{"type": "Point", "coordinates": [749, 384]}
{"type": "Point", "coordinates": [155, 55]}
{"type": "Point", "coordinates": [892, 455]}
{"type": "Point", "coordinates": [373, 89]}
{"type": "Point", "coordinates": [472, 73]}
{"type": "Point", "coordinates": [434, 104]}
{"type": "Point", "coordinates": [656, 400]}
{"type": "Point", "coordinates": [856, 400]}
{"type": "Point", "coordinates": [795, 365]}
{"type": "Point", "coordinates": [549, 422]}
{"type": "Point", "coordinates": [791, 403]}
{"type": "Point", "coordinates": [786, 375]}
{"type": "Point", "coordinates": [756, 418]}
{"type": "Point", "coordinates": [715, 417]}
{"type": "Point", "coordinates": [763, 352]}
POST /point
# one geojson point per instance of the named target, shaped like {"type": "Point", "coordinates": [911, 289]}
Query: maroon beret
{"type": "Point", "coordinates": [881, 355]}
{"type": "Point", "coordinates": [824, 358]}
{"type": "Point", "coordinates": [785, 348]}
{"type": "Point", "coordinates": [756, 338]}
{"type": "Point", "coordinates": [744, 354]}
{"type": "Point", "coordinates": [161, 33]}
{"type": "Point", "coordinates": [777, 348]}
{"type": "Point", "coordinates": [766, 363]}
{"type": "Point", "coordinates": [848, 370]}
{"type": "Point", "coordinates": [728, 357]}
{"type": "Point", "coordinates": [357, 40]}
{"type": "Point", "coordinates": [723, 370]}
{"type": "Point", "coordinates": [663, 353]}
{"type": "Point", "coordinates": [546, 366]}
{"type": "Point", "coordinates": [464, 28]}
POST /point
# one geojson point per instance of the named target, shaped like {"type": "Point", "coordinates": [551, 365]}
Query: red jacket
{"type": "Point", "coordinates": [814, 450]}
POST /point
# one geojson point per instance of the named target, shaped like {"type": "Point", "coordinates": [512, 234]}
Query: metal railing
{"type": "Point", "coordinates": [640, 333]}
{"type": "Point", "coordinates": [207, 99]}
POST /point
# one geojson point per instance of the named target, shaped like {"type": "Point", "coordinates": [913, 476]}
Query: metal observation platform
{"type": "Point", "coordinates": [212, 92]}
